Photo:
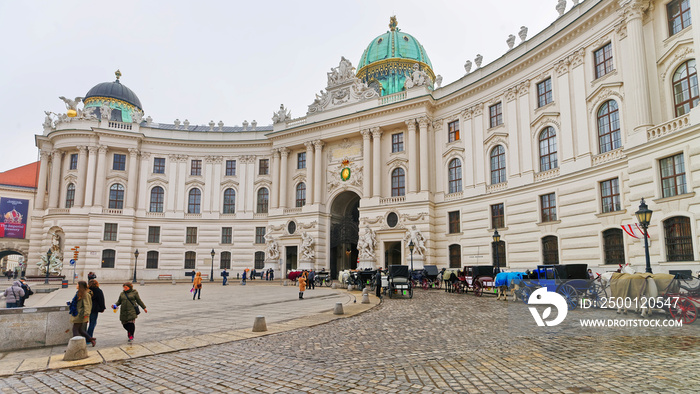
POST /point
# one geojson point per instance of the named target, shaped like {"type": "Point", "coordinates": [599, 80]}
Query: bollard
{"type": "Point", "coordinates": [174, 282]}
{"type": "Point", "coordinates": [338, 310]}
{"type": "Point", "coordinates": [365, 291]}
{"type": "Point", "coordinates": [365, 298]}
{"type": "Point", "coordinates": [334, 286]}
{"type": "Point", "coordinates": [349, 287]}
{"type": "Point", "coordinates": [259, 324]}
{"type": "Point", "coordinates": [285, 283]}
{"type": "Point", "coordinates": [76, 350]}
{"type": "Point", "coordinates": [143, 282]}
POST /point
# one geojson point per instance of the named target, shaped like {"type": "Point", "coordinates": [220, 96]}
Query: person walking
{"type": "Point", "coordinates": [192, 274]}
{"type": "Point", "coordinates": [27, 291]}
{"type": "Point", "coordinates": [197, 286]}
{"type": "Point", "coordinates": [91, 276]}
{"type": "Point", "coordinates": [302, 285]}
{"type": "Point", "coordinates": [312, 279]}
{"type": "Point", "coordinates": [98, 304]}
{"type": "Point", "coordinates": [378, 282]}
{"type": "Point", "coordinates": [225, 276]}
{"type": "Point", "coordinates": [129, 300]}
{"type": "Point", "coordinates": [13, 295]}
{"type": "Point", "coordinates": [272, 274]}
{"type": "Point", "coordinates": [245, 271]}
{"type": "Point", "coordinates": [80, 308]}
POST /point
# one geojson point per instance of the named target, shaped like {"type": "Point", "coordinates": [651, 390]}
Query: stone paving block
{"type": "Point", "coordinates": [157, 347]}
{"type": "Point", "coordinates": [113, 354]}
{"type": "Point", "coordinates": [8, 367]}
{"type": "Point", "coordinates": [57, 362]}
{"type": "Point", "coordinates": [135, 350]}
{"type": "Point", "coordinates": [34, 364]}
{"type": "Point", "coordinates": [176, 344]}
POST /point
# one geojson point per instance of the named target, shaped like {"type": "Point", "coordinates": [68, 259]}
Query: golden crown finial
{"type": "Point", "coordinates": [393, 23]}
{"type": "Point", "coordinates": [118, 74]}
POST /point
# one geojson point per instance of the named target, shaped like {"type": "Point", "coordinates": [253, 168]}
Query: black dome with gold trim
{"type": "Point", "coordinates": [114, 90]}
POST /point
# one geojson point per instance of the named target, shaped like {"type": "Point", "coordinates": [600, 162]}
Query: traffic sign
{"type": "Point", "coordinates": [72, 261]}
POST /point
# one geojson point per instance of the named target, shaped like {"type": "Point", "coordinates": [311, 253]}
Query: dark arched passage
{"type": "Point", "coordinates": [345, 222]}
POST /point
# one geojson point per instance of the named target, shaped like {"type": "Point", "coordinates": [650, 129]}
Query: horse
{"type": "Point", "coordinates": [639, 288]}
{"type": "Point", "coordinates": [507, 281]}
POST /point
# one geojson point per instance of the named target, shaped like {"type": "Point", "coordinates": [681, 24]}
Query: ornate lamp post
{"type": "Point", "coordinates": [211, 275]}
{"type": "Point", "coordinates": [48, 260]}
{"type": "Point", "coordinates": [410, 247]}
{"type": "Point", "coordinates": [136, 258]}
{"type": "Point", "coordinates": [496, 240]}
{"type": "Point", "coordinates": [644, 218]}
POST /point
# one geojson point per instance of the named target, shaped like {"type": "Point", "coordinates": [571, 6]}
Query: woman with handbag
{"type": "Point", "coordinates": [98, 304]}
{"type": "Point", "coordinates": [129, 300]}
{"type": "Point", "coordinates": [80, 308]}
{"type": "Point", "coordinates": [13, 295]}
{"type": "Point", "coordinates": [197, 286]}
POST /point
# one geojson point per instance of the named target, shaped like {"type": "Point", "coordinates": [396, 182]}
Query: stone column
{"type": "Point", "coordinates": [524, 115]}
{"type": "Point", "coordinates": [100, 176]}
{"type": "Point", "coordinates": [511, 105]}
{"type": "Point", "coordinates": [284, 158]}
{"type": "Point", "coordinates": [424, 156]}
{"type": "Point", "coordinates": [636, 82]}
{"type": "Point", "coordinates": [318, 174]}
{"type": "Point", "coordinates": [275, 168]}
{"type": "Point", "coordinates": [412, 180]}
{"type": "Point", "coordinates": [243, 194]}
{"type": "Point", "coordinates": [216, 195]}
{"type": "Point", "coordinates": [208, 192]}
{"type": "Point", "coordinates": [90, 181]}
{"type": "Point", "coordinates": [132, 184]}
{"type": "Point", "coordinates": [578, 78]}
{"type": "Point", "coordinates": [82, 175]}
{"type": "Point", "coordinates": [565, 136]}
{"type": "Point", "coordinates": [366, 163]}
{"type": "Point", "coordinates": [63, 187]}
{"type": "Point", "coordinates": [252, 202]}
{"type": "Point", "coordinates": [171, 189]}
{"type": "Point", "coordinates": [481, 163]}
{"type": "Point", "coordinates": [142, 191]}
{"type": "Point", "coordinates": [41, 185]}
{"type": "Point", "coordinates": [376, 162]}
{"type": "Point", "coordinates": [55, 181]}
{"type": "Point", "coordinates": [180, 187]}
{"type": "Point", "coordinates": [469, 166]}
{"type": "Point", "coordinates": [310, 166]}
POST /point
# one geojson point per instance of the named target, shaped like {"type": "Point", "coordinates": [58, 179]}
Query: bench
{"type": "Point", "coordinates": [168, 277]}
{"type": "Point", "coordinates": [38, 278]}
{"type": "Point", "coordinates": [205, 276]}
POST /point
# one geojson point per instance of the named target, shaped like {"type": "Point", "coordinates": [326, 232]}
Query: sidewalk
{"type": "Point", "coordinates": [175, 322]}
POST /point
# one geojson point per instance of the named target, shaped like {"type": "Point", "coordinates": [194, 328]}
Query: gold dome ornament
{"type": "Point", "coordinates": [72, 113]}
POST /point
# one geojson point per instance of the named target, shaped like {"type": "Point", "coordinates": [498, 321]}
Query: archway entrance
{"type": "Point", "coordinates": [345, 223]}
{"type": "Point", "coordinates": [9, 260]}
{"type": "Point", "coordinates": [392, 253]}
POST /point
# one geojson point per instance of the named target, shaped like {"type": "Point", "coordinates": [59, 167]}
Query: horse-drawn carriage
{"type": "Point", "coordinates": [684, 299]}
{"type": "Point", "coordinates": [323, 278]}
{"type": "Point", "coordinates": [427, 278]}
{"type": "Point", "coordinates": [478, 278]}
{"type": "Point", "coordinates": [571, 281]}
{"type": "Point", "coordinates": [399, 281]}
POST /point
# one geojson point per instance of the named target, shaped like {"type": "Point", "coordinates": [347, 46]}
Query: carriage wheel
{"type": "Point", "coordinates": [437, 283]}
{"type": "Point", "coordinates": [391, 291]}
{"type": "Point", "coordinates": [424, 284]}
{"type": "Point", "coordinates": [525, 293]}
{"type": "Point", "coordinates": [327, 282]}
{"type": "Point", "coordinates": [570, 294]}
{"type": "Point", "coordinates": [684, 311]}
{"type": "Point", "coordinates": [596, 292]}
{"type": "Point", "coordinates": [478, 289]}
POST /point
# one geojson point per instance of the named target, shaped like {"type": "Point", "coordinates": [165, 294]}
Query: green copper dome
{"type": "Point", "coordinates": [390, 57]}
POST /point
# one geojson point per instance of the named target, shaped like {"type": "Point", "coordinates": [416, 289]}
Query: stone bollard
{"type": "Point", "coordinates": [76, 350]}
{"type": "Point", "coordinates": [334, 286]}
{"type": "Point", "coordinates": [365, 291]}
{"type": "Point", "coordinates": [338, 310]}
{"type": "Point", "coordinates": [143, 282]}
{"type": "Point", "coordinates": [365, 298]}
{"type": "Point", "coordinates": [349, 287]}
{"type": "Point", "coordinates": [174, 282]}
{"type": "Point", "coordinates": [259, 324]}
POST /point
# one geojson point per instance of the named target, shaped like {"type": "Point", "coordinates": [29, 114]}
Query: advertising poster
{"type": "Point", "coordinates": [14, 217]}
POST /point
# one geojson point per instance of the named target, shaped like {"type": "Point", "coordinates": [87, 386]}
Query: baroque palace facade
{"type": "Point", "coordinates": [554, 145]}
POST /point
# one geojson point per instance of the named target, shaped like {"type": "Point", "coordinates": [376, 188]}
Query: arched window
{"type": "Point", "coordinates": [608, 127]}
{"type": "Point", "coordinates": [498, 165]}
{"type": "Point", "coordinates": [225, 262]}
{"type": "Point", "coordinates": [116, 196]}
{"type": "Point", "coordinates": [108, 256]}
{"type": "Point", "coordinates": [685, 87]}
{"type": "Point", "coordinates": [454, 176]}
{"type": "Point", "coordinates": [613, 245]}
{"type": "Point", "coordinates": [152, 259]}
{"type": "Point", "coordinates": [229, 201]}
{"type": "Point", "coordinates": [550, 250]}
{"type": "Point", "coordinates": [263, 200]}
{"type": "Point", "coordinates": [548, 149]}
{"type": "Point", "coordinates": [259, 260]}
{"type": "Point", "coordinates": [455, 256]}
{"type": "Point", "coordinates": [190, 260]}
{"type": "Point", "coordinates": [398, 183]}
{"type": "Point", "coordinates": [300, 195]}
{"type": "Point", "coordinates": [679, 239]}
{"type": "Point", "coordinates": [194, 201]}
{"type": "Point", "coordinates": [157, 194]}
{"type": "Point", "coordinates": [70, 195]}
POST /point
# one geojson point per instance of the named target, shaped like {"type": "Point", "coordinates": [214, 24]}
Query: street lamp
{"type": "Point", "coordinates": [48, 261]}
{"type": "Point", "coordinates": [211, 276]}
{"type": "Point", "coordinates": [644, 218]}
{"type": "Point", "coordinates": [136, 257]}
{"type": "Point", "coordinates": [411, 245]}
{"type": "Point", "coordinates": [496, 240]}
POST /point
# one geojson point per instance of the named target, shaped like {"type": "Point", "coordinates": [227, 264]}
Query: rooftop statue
{"type": "Point", "coordinates": [417, 78]}
{"type": "Point", "coordinates": [72, 104]}
{"type": "Point", "coordinates": [282, 115]}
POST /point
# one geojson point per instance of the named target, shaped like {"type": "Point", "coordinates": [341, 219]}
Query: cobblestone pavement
{"type": "Point", "coordinates": [436, 342]}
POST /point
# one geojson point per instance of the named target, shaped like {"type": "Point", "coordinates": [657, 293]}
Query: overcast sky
{"type": "Point", "coordinates": [216, 60]}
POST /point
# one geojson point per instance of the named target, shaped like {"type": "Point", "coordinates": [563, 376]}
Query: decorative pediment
{"type": "Point", "coordinates": [70, 178]}
{"type": "Point", "coordinates": [546, 118]}
{"type": "Point", "coordinates": [497, 136]}
{"type": "Point", "coordinates": [343, 88]}
{"type": "Point", "coordinates": [602, 93]}
{"type": "Point", "coordinates": [195, 182]}
{"type": "Point", "coordinates": [229, 183]}
{"type": "Point", "coordinates": [116, 176]}
{"type": "Point", "coordinates": [300, 176]}
{"type": "Point", "coordinates": [678, 53]}
{"type": "Point", "coordinates": [158, 178]}
{"type": "Point", "coordinates": [396, 160]}
{"type": "Point", "coordinates": [454, 149]}
{"type": "Point", "coordinates": [265, 181]}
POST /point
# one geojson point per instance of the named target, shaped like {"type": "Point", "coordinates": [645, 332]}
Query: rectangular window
{"type": "Point", "coordinates": [191, 237]}
{"type": "Point", "coordinates": [544, 92]}
{"type": "Point", "coordinates": [301, 160]}
{"type": "Point", "coordinates": [73, 161]}
{"type": "Point", "coordinates": [196, 167]}
{"type": "Point", "coordinates": [259, 260]}
{"type": "Point", "coordinates": [397, 142]}
{"type": "Point", "coordinates": [108, 258]}
{"type": "Point", "coordinates": [548, 208]}
{"type": "Point", "coordinates": [453, 131]}
{"type": "Point", "coordinates": [496, 115]}
{"type": "Point", "coordinates": [260, 235]}
{"type": "Point", "coordinates": [497, 216]}
{"type": "Point", "coordinates": [190, 260]}
{"type": "Point", "coordinates": [603, 60]}
{"type": "Point", "coordinates": [264, 167]}
{"type": "Point", "coordinates": [227, 235]}
{"type": "Point", "coordinates": [225, 262]}
{"type": "Point", "coordinates": [110, 232]}
{"type": "Point", "coordinates": [678, 16]}
{"type": "Point", "coordinates": [610, 195]}
{"type": "Point", "coordinates": [153, 234]}
{"type": "Point", "coordinates": [119, 162]}
{"type": "Point", "coordinates": [230, 168]}
{"type": "Point", "coordinates": [159, 165]}
{"type": "Point", "coordinates": [152, 260]}
{"type": "Point", "coordinates": [672, 175]}
{"type": "Point", "coordinates": [453, 218]}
